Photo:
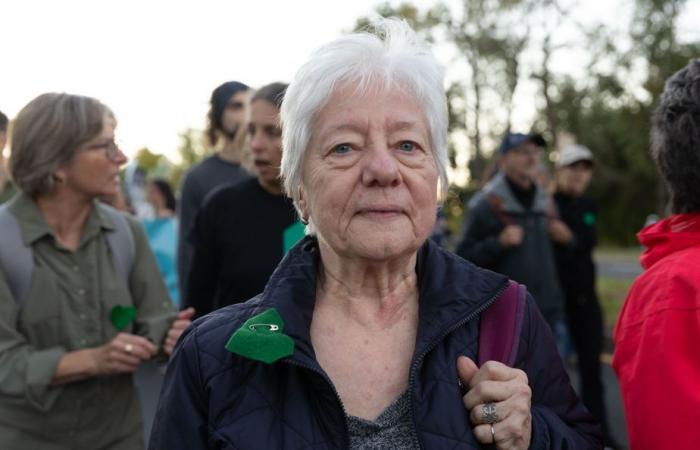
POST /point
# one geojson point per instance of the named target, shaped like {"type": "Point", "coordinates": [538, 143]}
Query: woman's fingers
{"type": "Point", "coordinates": [124, 359]}
{"type": "Point", "coordinates": [495, 391]}
{"type": "Point", "coordinates": [176, 329]}
{"type": "Point", "coordinates": [511, 433]}
{"type": "Point", "coordinates": [134, 345]}
{"type": "Point", "coordinates": [186, 314]}
{"type": "Point", "coordinates": [507, 418]}
{"type": "Point", "coordinates": [496, 371]}
{"type": "Point", "coordinates": [500, 411]}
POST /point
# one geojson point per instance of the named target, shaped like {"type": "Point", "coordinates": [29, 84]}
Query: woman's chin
{"type": "Point", "coordinates": [383, 245]}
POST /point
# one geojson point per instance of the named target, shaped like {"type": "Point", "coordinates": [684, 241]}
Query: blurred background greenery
{"type": "Point", "coordinates": [499, 48]}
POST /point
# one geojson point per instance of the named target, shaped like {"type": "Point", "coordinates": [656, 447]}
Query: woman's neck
{"type": "Point", "coordinates": [373, 294]}
{"type": "Point", "coordinates": [66, 214]}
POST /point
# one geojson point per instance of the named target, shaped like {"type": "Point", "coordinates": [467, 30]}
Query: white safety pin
{"type": "Point", "coordinates": [271, 326]}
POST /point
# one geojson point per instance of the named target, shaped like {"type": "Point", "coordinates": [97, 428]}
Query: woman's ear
{"type": "Point", "coordinates": [303, 207]}
{"type": "Point", "coordinates": [59, 176]}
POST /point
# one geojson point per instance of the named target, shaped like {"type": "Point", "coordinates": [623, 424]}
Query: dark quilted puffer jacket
{"type": "Point", "coordinates": [214, 399]}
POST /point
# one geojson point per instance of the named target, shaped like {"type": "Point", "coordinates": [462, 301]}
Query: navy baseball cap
{"type": "Point", "coordinates": [513, 140]}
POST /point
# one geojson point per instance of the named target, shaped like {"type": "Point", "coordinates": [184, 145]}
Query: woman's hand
{"type": "Point", "coordinates": [184, 318]}
{"type": "Point", "coordinates": [123, 354]}
{"type": "Point", "coordinates": [498, 402]}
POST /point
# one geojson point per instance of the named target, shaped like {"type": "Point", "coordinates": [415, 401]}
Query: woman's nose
{"type": "Point", "coordinates": [257, 143]}
{"type": "Point", "coordinates": [120, 157]}
{"type": "Point", "coordinates": [381, 167]}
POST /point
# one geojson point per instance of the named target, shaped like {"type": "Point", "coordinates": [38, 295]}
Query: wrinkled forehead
{"type": "Point", "coordinates": [351, 105]}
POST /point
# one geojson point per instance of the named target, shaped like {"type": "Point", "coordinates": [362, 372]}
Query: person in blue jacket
{"type": "Point", "coordinates": [366, 334]}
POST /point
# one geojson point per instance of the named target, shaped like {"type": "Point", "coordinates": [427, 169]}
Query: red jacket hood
{"type": "Point", "coordinates": [670, 235]}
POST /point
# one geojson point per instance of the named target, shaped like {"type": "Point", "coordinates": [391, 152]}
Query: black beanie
{"type": "Point", "coordinates": [222, 94]}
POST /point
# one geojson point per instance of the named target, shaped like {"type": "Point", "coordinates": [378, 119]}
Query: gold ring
{"type": "Point", "coordinates": [128, 348]}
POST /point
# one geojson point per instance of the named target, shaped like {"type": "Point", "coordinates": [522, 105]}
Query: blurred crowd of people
{"type": "Point", "coordinates": [87, 294]}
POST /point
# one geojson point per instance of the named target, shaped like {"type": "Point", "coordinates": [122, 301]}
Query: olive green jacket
{"type": "Point", "coordinates": [68, 308]}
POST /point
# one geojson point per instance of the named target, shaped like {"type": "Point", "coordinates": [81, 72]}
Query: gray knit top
{"type": "Point", "coordinates": [392, 429]}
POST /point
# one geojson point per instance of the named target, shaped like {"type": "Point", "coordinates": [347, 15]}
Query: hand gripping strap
{"type": "Point", "coordinates": [501, 324]}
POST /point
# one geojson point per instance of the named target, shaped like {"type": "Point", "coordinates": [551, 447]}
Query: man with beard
{"type": "Point", "coordinates": [226, 115]}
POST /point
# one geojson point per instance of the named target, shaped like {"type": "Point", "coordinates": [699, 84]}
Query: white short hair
{"type": "Point", "coordinates": [395, 57]}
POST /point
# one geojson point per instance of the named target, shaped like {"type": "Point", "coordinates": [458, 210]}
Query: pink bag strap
{"type": "Point", "coordinates": [501, 324]}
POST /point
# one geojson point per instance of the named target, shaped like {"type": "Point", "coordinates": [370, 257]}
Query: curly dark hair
{"type": "Point", "coordinates": [675, 138]}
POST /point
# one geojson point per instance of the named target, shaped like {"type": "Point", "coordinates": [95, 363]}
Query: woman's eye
{"type": "Point", "coordinates": [341, 149]}
{"type": "Point", "coordinates": [407, 146]}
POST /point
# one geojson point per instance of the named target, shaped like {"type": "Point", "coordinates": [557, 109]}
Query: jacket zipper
{"type": "Point", "coordinates": [433, 343]}
{"type": "Point", "coordinates": [330, 383]}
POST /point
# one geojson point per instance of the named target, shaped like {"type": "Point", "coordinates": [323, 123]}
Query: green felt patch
{"type": "Point", "coordinates": [122, 316]}
{"type": "Point", "coordinates": [589, 219]}
{"type": "Point", "coordinates": [292, 234]}
{"type": "Point", "coordinates": [261, 338]}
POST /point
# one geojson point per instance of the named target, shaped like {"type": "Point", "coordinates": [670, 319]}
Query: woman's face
{"type": "Point", "coordinates": [574, 179]}
{"type": "Point", "coordinates": [94, 169]}
{"type": "Point", "coordinates": [266, 144]}
{"type": "Point", "coordinates": [369, 178]}
{"type": "Point", "coordinates": [155, 197]}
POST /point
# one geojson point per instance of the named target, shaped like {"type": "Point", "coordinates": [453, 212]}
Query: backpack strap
{"type": "Point", "coordinates": [500, 326]}
{"type": "Point", "coordinates": [121, 242]}
{"type": "Point", "coordinates": [16, 261]}
{"type": "Point", "coordinates": [496, 204]}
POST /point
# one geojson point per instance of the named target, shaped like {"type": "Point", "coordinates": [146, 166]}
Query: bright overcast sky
{"type": "Point", "coordinates": [155, 62]}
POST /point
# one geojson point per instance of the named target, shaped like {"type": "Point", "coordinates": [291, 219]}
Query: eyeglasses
{"type": "Point", "coordinates": [111, 149]}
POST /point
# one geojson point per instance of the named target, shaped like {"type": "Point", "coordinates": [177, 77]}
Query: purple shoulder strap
{"type": "Point", "coordinates": [500, 326]}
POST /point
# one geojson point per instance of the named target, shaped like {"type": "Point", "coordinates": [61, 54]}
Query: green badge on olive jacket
{"type": "Point", "coordinates": [122, 316]}
{"type": "Point", "coordinates": [261, 338]}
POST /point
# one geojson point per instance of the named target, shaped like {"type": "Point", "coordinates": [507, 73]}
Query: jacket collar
{"type": "Point", "coordinates": [677, 232]}
{"type": "Point", "coordinates": [498, 186]}
{"type": "Point", "coordinates": [450, 289]}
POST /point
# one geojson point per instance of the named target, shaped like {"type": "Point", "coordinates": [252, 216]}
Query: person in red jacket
{"type": "Point", "coordinates": [657, 336]}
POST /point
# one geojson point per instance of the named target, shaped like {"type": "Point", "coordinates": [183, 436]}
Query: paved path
{"type": "Point", "coordinates": [621, 269]}
{"type": "Point", "coordinates": [613, 402]}
{"type": "Point", "coordinates": [618, 269]}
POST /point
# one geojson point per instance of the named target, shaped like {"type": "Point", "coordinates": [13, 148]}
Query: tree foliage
{"type": "Point", "coordinates": [505, 43]}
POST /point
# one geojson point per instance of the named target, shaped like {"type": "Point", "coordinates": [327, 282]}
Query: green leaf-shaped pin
{"type": "Point", "coordinates": [589, 218]}
{"type": "Point", "coordinates": [122, 316]}
{"type": "Point", "coordinates": [261, 338]}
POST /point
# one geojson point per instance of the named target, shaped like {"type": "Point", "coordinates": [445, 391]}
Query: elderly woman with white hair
{"type": "Point", "coordinates": [366, 334]}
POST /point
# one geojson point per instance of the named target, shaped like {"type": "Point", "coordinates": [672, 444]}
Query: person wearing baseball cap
{"type": "Point", "coordinates": [578, 212]}
{"type": "Point", "coordinates": [509, 222]}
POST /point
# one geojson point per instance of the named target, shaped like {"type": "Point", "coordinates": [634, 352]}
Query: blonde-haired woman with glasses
{"type": "Point", "coordinates": [82, 304]}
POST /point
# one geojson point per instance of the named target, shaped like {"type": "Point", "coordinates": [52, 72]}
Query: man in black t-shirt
{"type": "Point", "coordinates": [226, 117]}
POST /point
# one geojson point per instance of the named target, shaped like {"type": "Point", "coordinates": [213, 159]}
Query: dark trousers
{"type": "Point", "coordinates": [585, 322]}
